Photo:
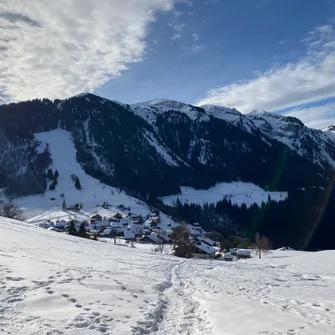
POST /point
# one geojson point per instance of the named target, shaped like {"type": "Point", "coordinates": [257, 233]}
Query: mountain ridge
{"type": "Point", "coordinates": [152, 149]}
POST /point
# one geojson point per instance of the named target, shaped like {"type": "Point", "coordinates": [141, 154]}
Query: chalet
{"type": "Point", "coordinates": [195, 250]}
{"type": "Point", "coordinates": [243, 253]}
{"type": "Point", "coordinates": [206, 240]}
{"type": "Point", "coordinates": [286, 248]}
{"type": "Point", "coordinates": [152, 238]}
{"type": "Point", "coordinates": [124, 222]}
{"type": "Point", "coordinates": [233, 251]}
{"type": "Point", "coordinates": [195, 230]}
{"type": "Point", "coordinates": [154, 218]}
{"type": "Point", "coordinates": [116, 216]}
{"type": "Point", "coordinates": [129, 235]}
{"type": "Point", "coordinates": [164, 236]}
{"type": "Point", "coordinates": [228, 257]}
{"type": "Point", "coordinates": [148, 223]}
{"type": "Point", "coordinates": [60, 224]}
{"type": "Point", "coordinates": [106, 232]}
{"type": "Point", "coordinates": [96, 217]}
{"type": "Point", "coordinates": [115, 226]}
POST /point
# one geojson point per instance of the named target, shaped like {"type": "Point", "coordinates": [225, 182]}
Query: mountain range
{"type": "Point", "coordinates": [152, 149]}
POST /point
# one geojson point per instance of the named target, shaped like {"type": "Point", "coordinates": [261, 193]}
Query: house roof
{"type": "Point", "coordinates": [285, 248]}
{"type": "Point", "coordinates": [129, 234]}
{"type": "Point", "coordinates": [205, 248]}
{"type": "Point", "coordinates": [244, 252]}
{"type": "Point", "coordinates": [228, 256]}
{"type": "Point", "coordinates": [206, 240]}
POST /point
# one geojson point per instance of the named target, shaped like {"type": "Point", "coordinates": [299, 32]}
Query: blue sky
{"type": "Point", "coordinates": [234, 40]}
{"type": "Point", "coordinates": [276, 55]}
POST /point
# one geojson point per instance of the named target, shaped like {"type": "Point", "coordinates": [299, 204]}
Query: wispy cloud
{"type": "Point", "coordinates": [319, 117]}
{"type": "Point", "coordinates": [309, 80]}
{"type": "Point", "coordinates": [195, 37]}
{"type": "Point", "coordinates": [59, 48]}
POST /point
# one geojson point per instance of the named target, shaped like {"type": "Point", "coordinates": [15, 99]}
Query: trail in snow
{"type": "Point", "coordinates": [178, 312]}
{"type": "Point", "coordinates": [52, 283]}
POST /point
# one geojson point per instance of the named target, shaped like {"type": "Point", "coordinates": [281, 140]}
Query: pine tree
{"type": "Point", "coordinates": [82, 230]}
{"type": "Point", "coordinates": [77, 184]}
{"type": "Point", "coordinates": [56, 175]}
{"type": "Point", "coordinates": [64, 205]}
{"type": "Point", "coordinates": [72, 228]}
{"type": "Point", "coordinates": [50, 175]}
{"type": "Point", "coordinates": [52, 186]}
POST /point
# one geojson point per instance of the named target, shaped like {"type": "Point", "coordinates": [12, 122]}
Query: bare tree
{"type": "Point", "coordinates": [161, 247]}
{"type": "Point", "coordinates": [262, 244]}
{"type": "Point", "coordinates": [9, 210]}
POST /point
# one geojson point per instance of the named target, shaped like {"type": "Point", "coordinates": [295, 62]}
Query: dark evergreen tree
{"type": "Point", "coordinates": [72, 228]}
{"type": "Point", "coordinates": [64, 205]}
{"type": "Point", "coordinates": [50, 175]}
{"type": "Point", "coordinates": [82, 230]}
{"type": "Point", "coordinates": [56, 174]}
{"type": "Point", "coordinates": [77, 184]}
{"type": "Point", "coordinates": [52, 186]}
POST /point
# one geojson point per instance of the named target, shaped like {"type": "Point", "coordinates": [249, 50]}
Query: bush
{"type": "Point", "coordinates": [10, 211]}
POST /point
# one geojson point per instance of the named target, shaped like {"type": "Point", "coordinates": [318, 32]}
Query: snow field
{"type": "Point", "coordinates": [52, 283]}
{"type": "Point", "coordinates": [238, 192]}
{"type": "Point", "coordinates": [38, 208]}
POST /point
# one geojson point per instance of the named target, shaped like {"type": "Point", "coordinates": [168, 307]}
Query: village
{"type": "Point", "coordinates": [126, 228]}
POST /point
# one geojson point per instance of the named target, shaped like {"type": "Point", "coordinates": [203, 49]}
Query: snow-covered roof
{"type": "Point", "coordinates": [153, 237]}
{"type": "Point", "coordinates": [228, 256]}
{"type": "Point", "coordinates": [285, 248]}
{"type": "Point", "coordinates": [206, 240]}
{"type": "Point", "coordinates": [129, 234]}
{"type": "Point", "coordinates": [243, 252]}
{"type": "Point", "coordinates": [205, 248]}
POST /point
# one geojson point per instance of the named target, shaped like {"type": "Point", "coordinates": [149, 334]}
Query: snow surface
{"type": "Point", "coordinates": [238, 192]}
{"type": "Point", "coordinates": [52, 283]}
{"type": "Point", "coordinates": [149, 110]}
{"type": "Point", "coordinates": [39, 208]}
{"type": "Point", "coordinates": [163, 152]}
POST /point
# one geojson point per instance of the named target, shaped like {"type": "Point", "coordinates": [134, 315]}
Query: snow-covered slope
{"type": "Point", "coordinates": [237, 192]}
{"type": "Point", "coordinates": [151, 109]}
{"type": "Point", "coordinates": [294, 134]}
{"type": "Point", "coordinates": [287, 130]}
{"type": "Point", "coordinates": [38, 208]}
{"type": "Point", "coordinates": [52, 283]}
{"type": "Point", "coordinates": [230, 115]}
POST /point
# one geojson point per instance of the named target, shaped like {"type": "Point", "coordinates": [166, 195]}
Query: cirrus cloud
{"type": "Point", "coordinates": [309, 80]}
{"type": "Point", "coordinates": [60, 48]}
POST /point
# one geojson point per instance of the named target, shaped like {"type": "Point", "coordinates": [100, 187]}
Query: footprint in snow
{"type": "Point", "coordinates": [14, 278]}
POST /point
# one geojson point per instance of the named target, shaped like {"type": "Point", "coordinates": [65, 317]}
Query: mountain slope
{"type": "Point", "coordinates": [152, 149]}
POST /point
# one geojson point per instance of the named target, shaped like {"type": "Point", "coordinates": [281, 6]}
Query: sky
{"type": "Point", "coordinates": [273, 55]}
